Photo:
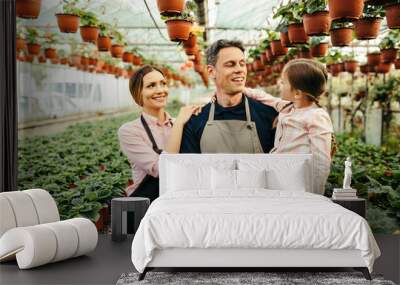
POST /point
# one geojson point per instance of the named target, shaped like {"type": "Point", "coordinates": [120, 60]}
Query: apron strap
{"type": "Point", "coordinates": [246, 105]}
{"type": "Point", "coordinates": [150, 135]}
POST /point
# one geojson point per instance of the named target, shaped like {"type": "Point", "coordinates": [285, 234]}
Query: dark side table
{"type": "Point", "coordinates": [357, 205]}
{"type": "Point", "coordinates": [119, 215]}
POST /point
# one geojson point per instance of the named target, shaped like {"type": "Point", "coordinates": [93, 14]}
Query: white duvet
{"type": "Point", "coordinates": [253, 218]}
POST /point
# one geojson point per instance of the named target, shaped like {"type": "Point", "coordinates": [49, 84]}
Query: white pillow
{"type": "Point", "coordinates": [223, 179]}
{"type": "Point", "coordinates": [183, 177]}
{"type": "Point", "coordinates": [294, 179]}
{"type": "Point", "coordinates": [251, 178]}
{"type": "Point", "coordinates": [285, 174]}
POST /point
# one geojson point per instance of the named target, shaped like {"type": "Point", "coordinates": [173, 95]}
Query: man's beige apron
{"type": "Point", "coordinates": [230, 136]}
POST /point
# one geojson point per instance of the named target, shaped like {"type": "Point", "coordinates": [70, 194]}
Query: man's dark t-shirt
{"type": "Point", "coordinates": [261, 114]}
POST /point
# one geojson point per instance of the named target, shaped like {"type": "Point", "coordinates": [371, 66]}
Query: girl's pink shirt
{"type": "Point", "coordinates": [301, 130]}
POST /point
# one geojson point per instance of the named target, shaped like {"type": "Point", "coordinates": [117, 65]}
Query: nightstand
{"type": "Point", "coordinates": [357, 205]}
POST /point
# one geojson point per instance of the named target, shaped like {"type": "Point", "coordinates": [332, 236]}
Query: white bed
{"type": "Point", "coordinates": [215, 211]}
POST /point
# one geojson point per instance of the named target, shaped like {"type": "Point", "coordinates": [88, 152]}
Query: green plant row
{"type": "Point", "coordinates": [376, 176]}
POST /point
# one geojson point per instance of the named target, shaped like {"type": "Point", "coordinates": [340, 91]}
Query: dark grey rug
{"type": "Point", "coordinates": [243, 278]}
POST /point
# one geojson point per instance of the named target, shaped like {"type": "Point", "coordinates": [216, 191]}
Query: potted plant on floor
{"type": "Point", "coordinates": [350, 63]}
{"type": "Point", "coordinates": [318, 46]}
{"type": "Point", "coordinates": [49, 45]}
{"type": "Point", "coordinates": [117, 49]}
{"type": "Point", "coordinates": [341, 34]}
{"type": "Point", "coordinates": [345, 10]}
{"type": "Point", "coordinates": [68, 20]}
{"type": "Point", "coordinates": [388, 46]}
{"type": "Point", "coordinates": [316, 18]}
{"type": "Point", "coordinates": [392, 11]}
{"type": "Point", "coordinates": [27, 9]}
{"type": "Point", "coordinates": [367, 27]}
{"type": "Point", "coordinates": [89, 26]}
{"type": "Point", "coordinates": [170, 7]}
{"type": "Point", "coordinates": [33, 41]}
{"type": "Point", "coordinates": [179, 27]}
{"type": "Point", "coordinates": [104, 39]}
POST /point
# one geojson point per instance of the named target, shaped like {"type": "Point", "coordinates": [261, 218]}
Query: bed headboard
{"type": "Point", "coordinates": [283, 162]}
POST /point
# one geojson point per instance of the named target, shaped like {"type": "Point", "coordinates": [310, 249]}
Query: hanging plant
{"type": "Point", "coordinates": [20, 41]}
{"type": "Point", "coordinates": [191, 42]}
{"type": "Point", "coordinates": [316, 18]}
{"type": "Point", "coordinates": [27, 9]}
{"type": "Point", "coordinates": [345, 10]}
{"type": "Point", "coordinates": [303, 51]}
{"type": "Point", "coordinates": [68, 20]}
{"type": "Point", "coordinates": [388, 46]}
{"type": "Point", "coordinates": [89, 26]}
{"type": "Point", "coordinates": [117, 49]}
{"type": "Point", "coordinates": [341, 34]}
{"type": "Point", "coordinates": [32, 41]}
{"type": "Point", "coordinates": [104, 39]}
{"type": "Point", "coordinates": [170, 7]}
{"type": "Point", "coordinates": [374, 58]}
{"type": "Point", "coordinates": [179, 27]}
{"type": "Point", "coordinates": [367, 27]}
{"type": "Point", "coordinates": [393, 14]}
{"type": "Point", "coordinates": [350, 63]}
{"type": "Point", "coordinates": [318, 47]}
{"type": "Point", "coordinates": [333, 62]}
{"type": "Point", "coordinates": [49, 45]}
{"type": "Point", "coordinates": [127, 56]}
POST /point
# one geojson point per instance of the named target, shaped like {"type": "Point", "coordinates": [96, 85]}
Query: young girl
{"type": "Point", "coordinates": [303, 126]}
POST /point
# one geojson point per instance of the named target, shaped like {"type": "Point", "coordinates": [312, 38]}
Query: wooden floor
{"type": "Point", "coordinates": [110, 259]}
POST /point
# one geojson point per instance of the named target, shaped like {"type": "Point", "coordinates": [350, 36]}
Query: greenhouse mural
{"type": "Point", "coordinates": [75, 58]}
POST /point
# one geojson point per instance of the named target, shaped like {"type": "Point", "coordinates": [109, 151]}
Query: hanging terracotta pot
{"type": "Point", "coordinates": [319, 50]}
{"type": "Point", "coordinates": [336, 68]}
{"type": "Point", "coordinates": [365, 69]}
{"type": "Point", "coordinates": [351, 66]}
{"type": "Point", "coordinates": [383, 67]}
{"type": "Point", "coordinates": [191, 42]}
{"type": "Point", "coordinates": [127, 57]}
{"type": "Point", "coordinates": [389, 55]}
{"type": "Point", "coordinates": [397, 63]}
{"type": "Point", "coordinates": [269, 55]}
{"type": "Point", "coordinates": [92, 61]}
{"type": "Point", "coordinates": [285, 39]}
{"type": "Point", "coordinates": [317, 24]}
{"type": "Point", "coordinates": [28, 9]}
{"type": "Point", "coordinates": [84, 61]}
{"type": "Point", "coordinates": [50, 53]}
{"type": "Point", "coordinates": [345, 10]}
{"type": "Point", "coordinates": [33, 49]}
{"type": "Point", "coordinates": [117, 51]}
{"type": "Point", "coordinates": [89, 34]}
{"type": "Point", "coordinates": [191, 50]}
{"type": "Point", "coordinates": [20, 44]}
{"type": "Point", "coordinates": [341, 37]}
{"type": "Point", "coordinates": [393, 16]}
{"type": "Point", "coordinates": [257, 65]}
{"type": "Point", "coordinates": [42, 59]}
{"type": "Point", "coordinates": [170, 7]}
{"type": "Point", "coordinates": [277, 48]}
{"type": "Point", "coordinates": [374, 59]}
{"type": "Point", "coordinates": [68, 23]}
{"type": "Point", "coordinates": [64, 60]}
{"type": "Point", "coordinates": [304, 53]}
{"type": "Point", "coordinates": [178, 30]}
{"type": "Point", "coordinates": [264, 59]}
{"type": "Point", "coordinates": [297, 35]}
{"type": "Point", "coordinates": [137, 60]}
{"type": "Point", "coordinates": [54, 61]}
{"type": "Point", "coordinates": [103, 43]}
{"type": "Point", "coordinates": [367, 28]}
{"type": "Point", "coordinates": [29, 58]}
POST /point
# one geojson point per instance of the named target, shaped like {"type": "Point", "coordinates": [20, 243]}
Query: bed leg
{"type": "Point", "coordinates": [364, 271]}
{"type": "Point", "coordinates": [143, 274]}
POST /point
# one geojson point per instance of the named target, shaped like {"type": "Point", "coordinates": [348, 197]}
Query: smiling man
{"type": "Point", "coordinates": [234, 123]}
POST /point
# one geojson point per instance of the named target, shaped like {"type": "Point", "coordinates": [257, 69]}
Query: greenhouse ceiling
{"type": "Point", "coordinates": [142, 26]}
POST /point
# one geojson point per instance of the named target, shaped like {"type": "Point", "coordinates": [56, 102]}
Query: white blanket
{"type": "Point", "coordinates": [255, 218]}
